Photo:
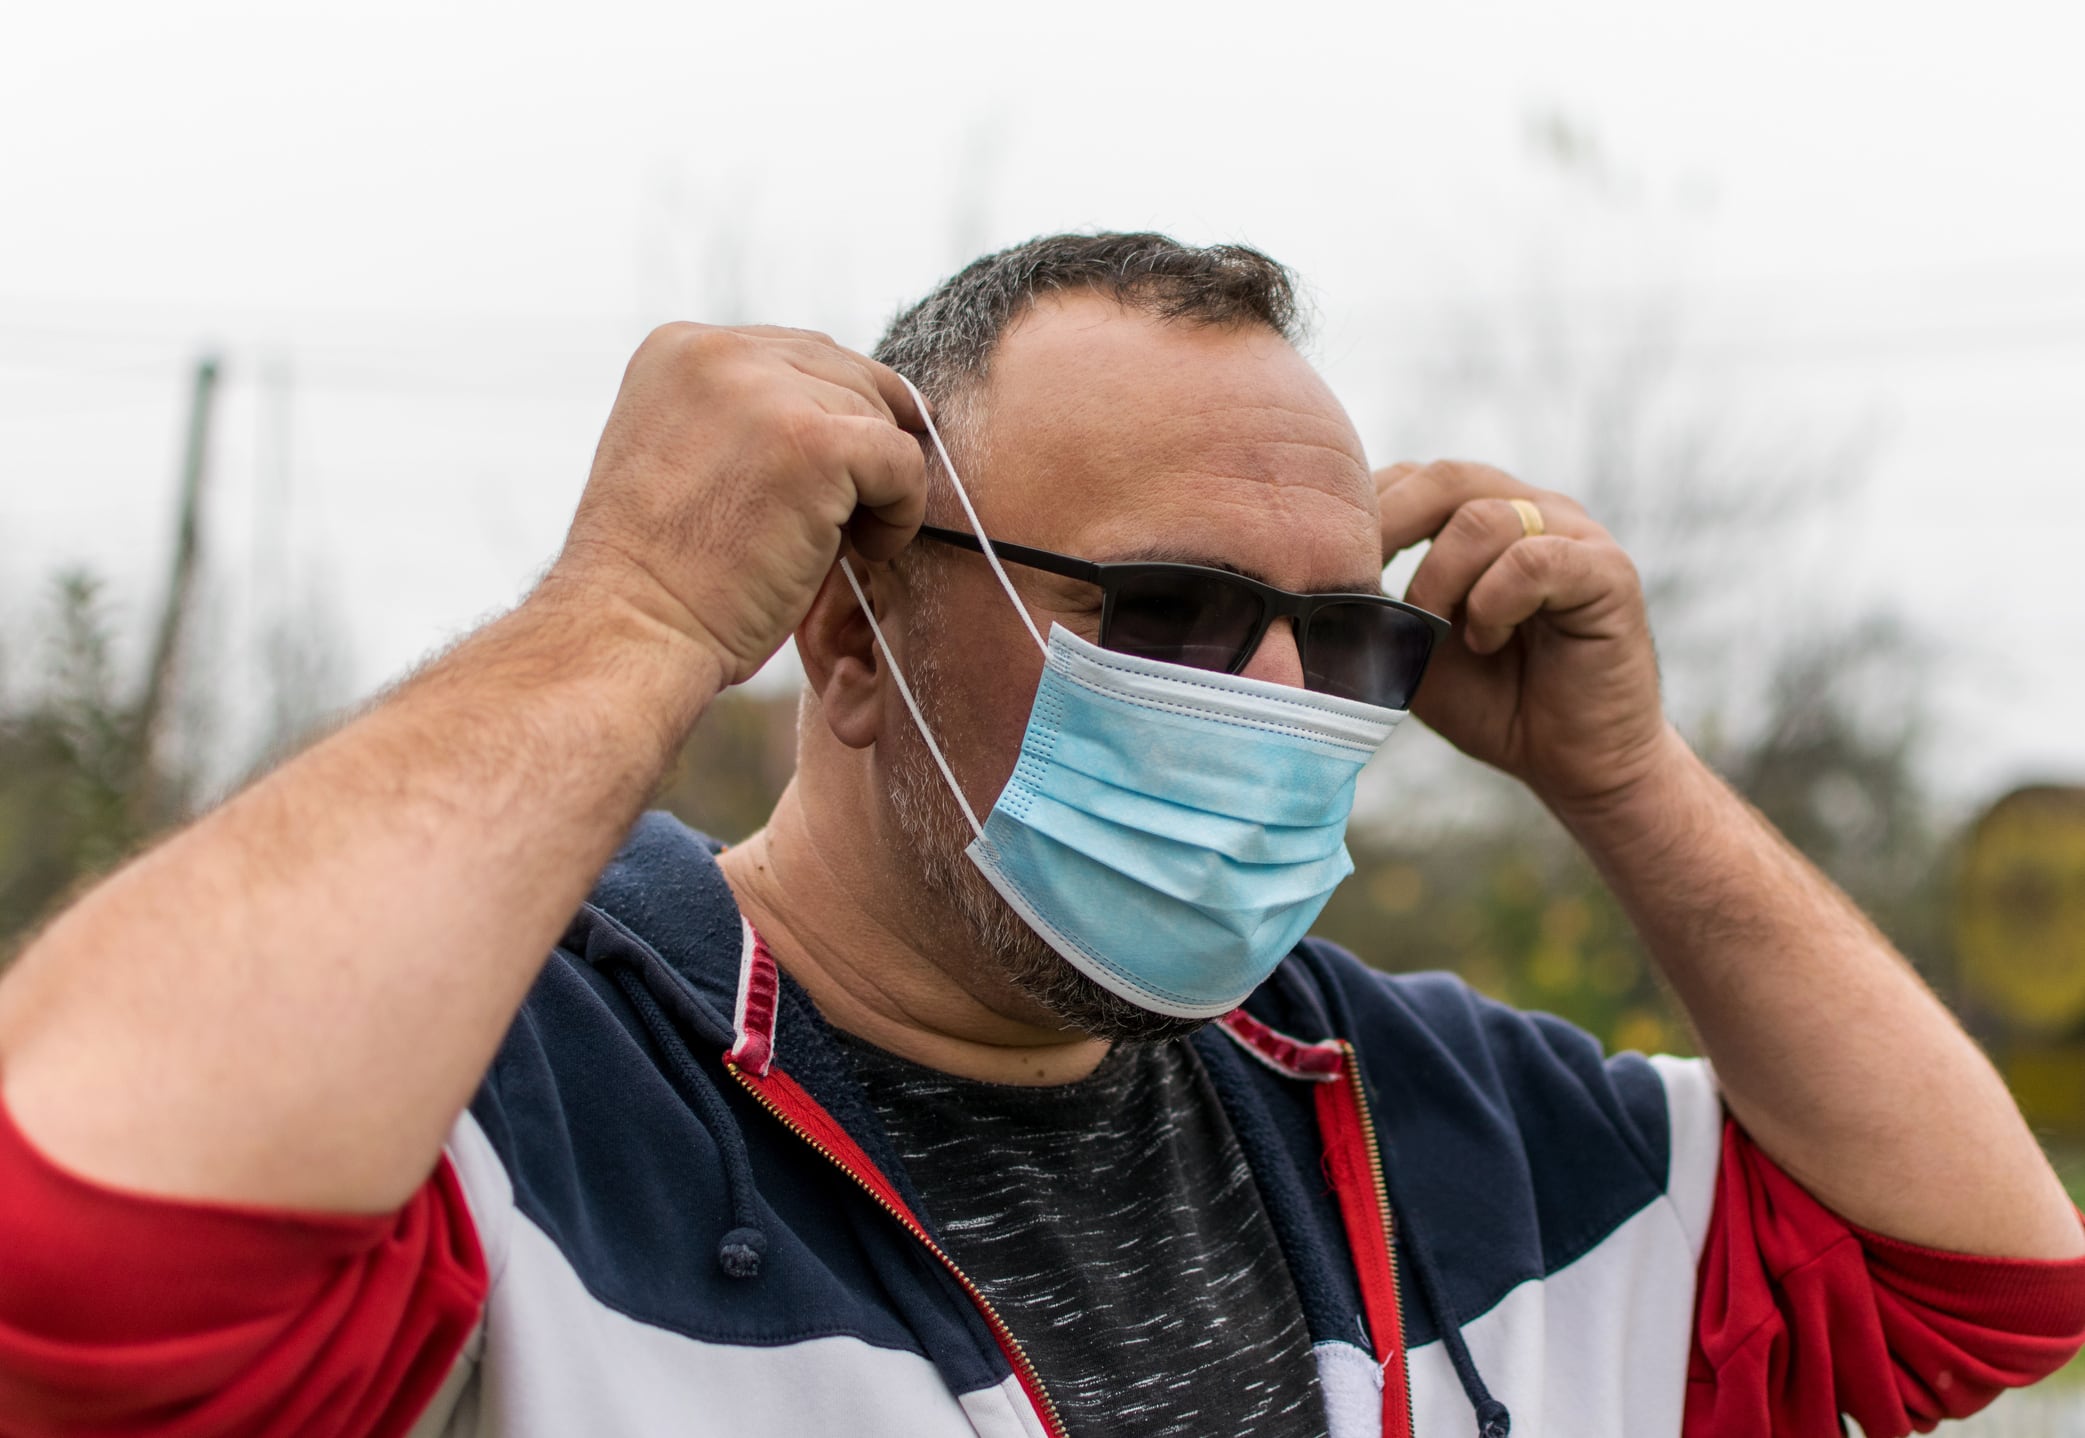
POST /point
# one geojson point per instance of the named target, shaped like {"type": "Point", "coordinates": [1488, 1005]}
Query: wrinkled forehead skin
{"type": "Point", "coordinates": [1112, 434]}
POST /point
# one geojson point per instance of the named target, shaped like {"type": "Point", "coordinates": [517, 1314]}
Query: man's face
{"type": "Point", "coordinates": [1111, 435]}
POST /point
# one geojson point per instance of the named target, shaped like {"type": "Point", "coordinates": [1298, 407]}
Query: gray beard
{"type": "Point", "coordinates": [938, 835]}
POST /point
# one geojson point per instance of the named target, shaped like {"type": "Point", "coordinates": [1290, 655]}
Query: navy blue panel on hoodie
{"type": "Point", "coordinates": [629, 1181]}
{"type": "Point", "coordinates": [1511, 1146]}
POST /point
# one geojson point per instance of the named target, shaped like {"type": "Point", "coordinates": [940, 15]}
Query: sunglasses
{"type": "Point", "coordinates": [1368, 647]}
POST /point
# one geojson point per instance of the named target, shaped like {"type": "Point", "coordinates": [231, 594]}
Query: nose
{"type": "Point", "coordinates": [1277, 660]}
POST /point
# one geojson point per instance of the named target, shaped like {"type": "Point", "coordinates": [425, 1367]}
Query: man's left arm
{"type": "Point", "coordinates": [1831, 1053]}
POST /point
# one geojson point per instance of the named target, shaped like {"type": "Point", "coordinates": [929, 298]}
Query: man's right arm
{"type": "Point", "coordinates": [289, 1002]}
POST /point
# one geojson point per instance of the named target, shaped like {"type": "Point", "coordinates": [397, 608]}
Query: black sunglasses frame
{"type": "Point", "coordinates": [1274, 603]}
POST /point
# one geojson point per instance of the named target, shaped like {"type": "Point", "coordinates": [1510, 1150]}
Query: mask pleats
{"type": "Point", "coordinates": [1175, 839]}
{"type": "Point", "coordinates": [1195, 963]}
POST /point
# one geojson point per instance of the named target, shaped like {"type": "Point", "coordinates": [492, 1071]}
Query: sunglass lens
{"type": "Point", "coordinates": [1201, 621]}
{"type": "Point", "coordinates": [1369, 652]}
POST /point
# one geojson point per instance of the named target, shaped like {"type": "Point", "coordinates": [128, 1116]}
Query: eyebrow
{"type": "Point", "coordinates": [1177, 554]}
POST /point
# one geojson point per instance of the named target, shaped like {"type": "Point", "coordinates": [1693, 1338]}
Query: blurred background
{"type": "Point", "coordinates": [309, 320]}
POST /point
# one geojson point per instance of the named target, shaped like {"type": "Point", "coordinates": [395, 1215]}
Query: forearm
{"type": "Point", "coordinates": [290, 1001]}
{"type": "Point", "coordinates": [1835, 1057]}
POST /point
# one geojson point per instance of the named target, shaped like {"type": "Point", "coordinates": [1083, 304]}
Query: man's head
{"type": "Point", "coordinates": [1112, 397]}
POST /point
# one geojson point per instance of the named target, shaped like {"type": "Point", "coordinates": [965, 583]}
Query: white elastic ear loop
{"type": "Point", "coordinates": [905, 691]}
{"type": "Point", "coordinates": [976, 526]}
{"type": "Point", "coordinates": [890, 661]}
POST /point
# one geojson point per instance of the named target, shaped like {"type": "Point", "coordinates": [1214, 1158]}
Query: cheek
{"type": "Point", "coordinates": [983, 678]}
{"type": "Point", "coordinates": [1000, 704]}
{"type": "Point", "coordinates": [993, 749]}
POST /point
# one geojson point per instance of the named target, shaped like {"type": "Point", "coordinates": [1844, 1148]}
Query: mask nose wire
{"type": "Point", "coordinates": [890, 661]}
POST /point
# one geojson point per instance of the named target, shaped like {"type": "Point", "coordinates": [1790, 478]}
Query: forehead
{"type": "Point", "coordinates": [1110, 433]}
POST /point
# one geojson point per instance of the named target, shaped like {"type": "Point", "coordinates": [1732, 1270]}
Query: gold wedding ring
{"type": "Point", "coordinates": [1530, 517]}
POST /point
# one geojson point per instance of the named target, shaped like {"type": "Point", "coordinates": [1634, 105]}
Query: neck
{"type": "Point", "coordinates": [876, 955]}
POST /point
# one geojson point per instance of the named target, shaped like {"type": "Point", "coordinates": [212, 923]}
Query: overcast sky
{"type": "Point", "coordinates": [425, 237]}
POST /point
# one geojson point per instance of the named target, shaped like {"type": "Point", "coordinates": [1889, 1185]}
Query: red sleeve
{"type": "Point", "coordinates": [1800, 1316]}
{"type": "Point", "coordinates": [123, 1315]}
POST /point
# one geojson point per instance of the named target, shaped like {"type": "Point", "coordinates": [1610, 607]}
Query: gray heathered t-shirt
{"type": "Point", "coordinates": [1115, 1226]}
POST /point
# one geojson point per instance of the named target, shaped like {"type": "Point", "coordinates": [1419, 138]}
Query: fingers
{"type": "Point", "coordinates": [1396, 473]}
{"type": "Point", "coordinates": [889, 475]}
{"type": "Point", "coordinates": [1417, 500]}
{"type": "Point", "coordinates": [896, 394]}
{"type": "Point", "coordinates": [1542, 574]}
{"type": "Point", "coordinates": [876, 384]}
{"type": "Point", "coordinates": [1471, 541]}
{"type": "Point", "coordinates": [1482, 562]}
{"type": "Point", "coordinates": [873, 420]}
{"type": "Point", "coordinates": [841, 399]}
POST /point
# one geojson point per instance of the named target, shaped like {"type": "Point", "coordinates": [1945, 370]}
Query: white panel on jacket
{"type": "Point", "coordinates": [550, 1360]}
{"type": "Point", "coordinates": [1600, 1347]}
{"type": "Point", "coordinates": [1694, 1117]}
{"type": "Point", "coordinates": [558, 1362]}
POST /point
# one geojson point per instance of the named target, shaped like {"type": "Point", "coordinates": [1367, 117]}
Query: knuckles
{"type": "Point", "coordinates": [806, 433]}
{"type": "Point", "coordinates": [1467, 477]}
{"type": "Point", "coordinates": [1481, 521]}
{"type": "Point", "coordinates": [703, 346]}
{"type": "Point", "coordinates": [676, 341]}
{"type": "Point", "coordinates": [1616, 561]}
{"type": "Point", "coordinates": [1533, 561]}
{"type": "Point", "coordinates": [683, 350]}
{"type": "Point", "coordinates": [699, 388]}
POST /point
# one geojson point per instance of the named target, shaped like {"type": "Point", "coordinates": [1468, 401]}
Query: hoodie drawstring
{"type": "Point", "coordinates": [1493, 1418]}
{"type": "Point", "coordinates": [740, 1250]}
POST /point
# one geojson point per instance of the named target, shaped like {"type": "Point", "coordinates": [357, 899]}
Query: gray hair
{"type": "Point", "coordinates": [944, 343]}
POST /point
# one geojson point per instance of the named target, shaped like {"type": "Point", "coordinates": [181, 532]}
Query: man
{"type": "Point", "coordinates": [906, 1115]}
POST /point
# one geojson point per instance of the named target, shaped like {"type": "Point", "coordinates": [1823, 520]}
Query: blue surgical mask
{"type": "Point", "coordinates": [1172, 832]}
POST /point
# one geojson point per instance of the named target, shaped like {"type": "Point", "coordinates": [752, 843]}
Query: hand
{"type": "Point", "coordinates": [734, 463]}
{"type": "Point", "coordinates": [1549, 673]}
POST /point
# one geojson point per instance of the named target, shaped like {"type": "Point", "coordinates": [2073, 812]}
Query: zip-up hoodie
{"type": "Point", "coordinates": [671, 1210]}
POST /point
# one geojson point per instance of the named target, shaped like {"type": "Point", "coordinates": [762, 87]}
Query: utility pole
{"type": "Point", "coordinates": [146, 798]}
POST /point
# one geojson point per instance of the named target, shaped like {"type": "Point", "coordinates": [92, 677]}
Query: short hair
{"type": "Point", "coordinates": [944, 343]}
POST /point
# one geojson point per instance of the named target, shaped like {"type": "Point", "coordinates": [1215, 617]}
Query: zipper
{"type": "Point", "coordinates": [1024, 1367]}
{"type": "Point", "coordinates": [1382, 1189]}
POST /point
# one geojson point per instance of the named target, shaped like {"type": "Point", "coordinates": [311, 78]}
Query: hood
{"type": "Point", "coordinates": [662, 907]}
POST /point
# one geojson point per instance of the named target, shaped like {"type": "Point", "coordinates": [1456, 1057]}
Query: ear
{"type": "Point", "coordinates": [840, 656]}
